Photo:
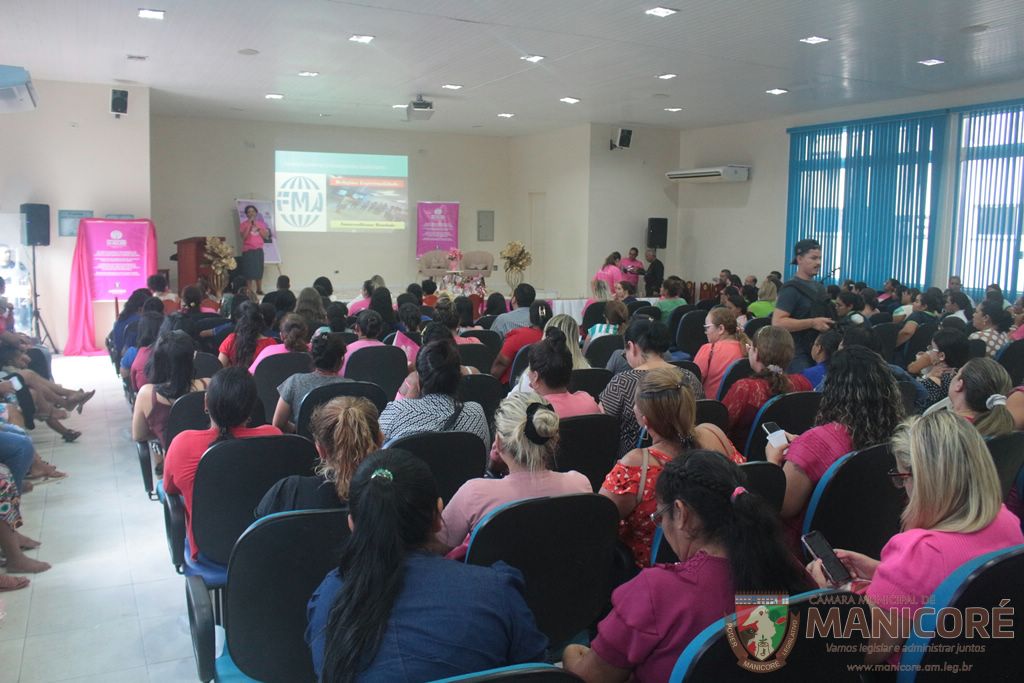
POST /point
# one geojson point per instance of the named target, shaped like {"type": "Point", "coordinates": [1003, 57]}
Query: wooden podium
{"type": "Point", "coordinates": [190, 257]}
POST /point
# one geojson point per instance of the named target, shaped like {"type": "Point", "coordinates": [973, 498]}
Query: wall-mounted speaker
{"type": "Point", "coordinates": [623, 137]}
{"type": "Point", "coordinates": [35, 225]}
{"type": "Point", "coordinates": [119, 102]}
{"type": "Point", "coordinates": [657, 233]}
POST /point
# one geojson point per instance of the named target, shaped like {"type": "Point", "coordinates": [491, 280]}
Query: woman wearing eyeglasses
{"type": "Point", "coordinates": [726, 344]}
{"type": "Point", "coordinates": [727, 540]}
{"type": "Point", "coordinates": [954, 514]}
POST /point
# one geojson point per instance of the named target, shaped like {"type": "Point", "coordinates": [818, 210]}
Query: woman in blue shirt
{"type": "Point", "coordinates": [394, 612]}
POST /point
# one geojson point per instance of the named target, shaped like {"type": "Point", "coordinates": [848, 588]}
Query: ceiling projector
{"type": "Point", "coordinates": [419, 110]}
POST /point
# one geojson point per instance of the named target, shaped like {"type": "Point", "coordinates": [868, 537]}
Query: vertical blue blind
{"type": "Point", "coordinates": [868, 192]}
{"type": "Point", "coordinates": [986, 245]}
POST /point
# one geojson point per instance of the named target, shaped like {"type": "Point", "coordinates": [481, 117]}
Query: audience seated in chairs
{"type": "Point", "coordinates": [345, 430]}
{"type": "Point", "coordinates": [569, 327]}
{"type": "Point", "coordinates": [171, 369]}
{"type": "Point", "coordinates": [12, 543]}
{"type": "Point", "coordinates": [861, 406]}
{"type": "Point", "coordinates": [822, 351]}
{"type": "Point", "coordinates": [437, 409]}
{"type": "Point", "coordinates": [432, 332]}
{"type": "Point", "coordinates": [925, 309]}
{"type": "Point", "coordinates": [149, 330]}
{"type": "Point", "coordinates": [938, 365]}
{"type": "Point", "coordinates": [958, 305]}
{"type": "Point", "coordinates": [366, 618]}
{"type": "Point", "coordinates": [549, 373]}
{"type": "Point", "coordinates": [767, 293]}
{"type": "Point", "coordinates": [954, 514]}
{"type": "Point", "coordinates": [369, 326]}
{"type": "Point", "coordinates": [726, 343]}
{"type": "Point", "coordinates": [230, 400]}
{"type": "Point", "coordinates": [445, 314]}
{"type": "Point", "coordinates": [519, 315]}
{"type": "Point", "coordinates": [518, 337]}
{"type": "Point", "coordinates": [526, 436]}
{"type": "Point", "coordinates": [727, 540]}
{"type": "Point", "coordinates": [328, 350]}
{"type": "Point", "coordinates": [770, 354]}
{"type": "Point", "coordinates": [310, 306]}
{"type": "Point", "coordinates": [131, 312]}
{"type": "Point", "coordinates": [665, 407]}
{"type": "Point", "coordinates": [294, 339]}
{"type": "Point", "coordinates": [992, 323]}
{"type": "Point", "coordinates": [616, 315]}
{"type": "Point", "coordinates": [53, 402]}
{"type": "Point", "coordinates": [247, 341]}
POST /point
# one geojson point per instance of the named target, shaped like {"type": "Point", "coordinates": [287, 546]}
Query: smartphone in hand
{"type": "Point", "coordinates": [819, 548]}
{"type": "Point", "coordinates": [776, 434]}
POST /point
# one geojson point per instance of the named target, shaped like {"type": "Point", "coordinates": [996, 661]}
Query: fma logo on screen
{"type": "Point", "coordinates": [300, 200]}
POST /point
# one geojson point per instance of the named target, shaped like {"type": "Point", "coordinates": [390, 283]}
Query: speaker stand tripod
{"type": "Point", "coordinates": [36, 315]}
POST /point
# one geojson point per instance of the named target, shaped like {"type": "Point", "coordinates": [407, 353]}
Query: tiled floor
{"type": "Point", "coordinates": [111, 609]}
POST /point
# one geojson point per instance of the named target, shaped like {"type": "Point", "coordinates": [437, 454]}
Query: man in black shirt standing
{"type": "Point", "coordinates": [654, 274]}
{"type": "Point", "coordinates": [803, 305]}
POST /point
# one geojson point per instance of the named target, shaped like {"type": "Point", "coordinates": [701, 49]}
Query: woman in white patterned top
{"type": "Point", "coordinates": [992, 323]}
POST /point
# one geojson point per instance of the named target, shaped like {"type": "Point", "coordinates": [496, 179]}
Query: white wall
{"type": "Point", "coordinates": [71, 153]}
{"type": "Point", "coordinates": [742, 226]}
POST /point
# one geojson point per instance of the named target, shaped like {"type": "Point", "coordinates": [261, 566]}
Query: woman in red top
{"type": "Point", "coordinates": [243, 345]}
{"type": "Point", "coordinates": [771, 351]}
{"type": "Point", "coordinates": [540, 313]}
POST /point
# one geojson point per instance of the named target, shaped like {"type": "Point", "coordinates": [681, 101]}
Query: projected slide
{"type": "Point", "coordinates": [324, 192]}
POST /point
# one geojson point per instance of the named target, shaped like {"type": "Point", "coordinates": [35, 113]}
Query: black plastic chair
{"type": "Point", "coordinates": [677, 315]}
{"type": "Point", "coordinates": [517, 673]}
{"type": "Point", "coordinates": [714, 412]}
{"type": "Point", "coordinates": [854, 505]}
{"type": "Point", "coordinates": [390, 339]}
{"type": "Point", "coordinates": [594, 315]}
{"type": "Point", "coordinates": [205, 365]}
{"type": "Point", "coordinates": [880, 318]}
{"type": "Point", "coordinates": [479, 356]}
{"type": "Point", "coordinates": [591, 380]}
{"type": "Point", "coordinates": [519, 364]}
{"type": "Point", "coordinates": [766, 480]}
{"type": "Point", "coordinates": [690, 335]}
{"type": "Point", "coordinates": [453, 457]}
{"type": "Point", "coordinates": [1011, 357]}
{"type": "Point", "coordinates": [490, 338]}
{"type": "Point", "coordinates": [752, 326]}
{"type": "Point", "coordinates": [737, 370]}
{"type": "Point", "coordinates": [320, 395]}
{"type": "Point", "coordinates": [486, 321]}
{"type": "Point", "coordinates": [588, 444]}
{"type": "Point", "coordinates": [275, 566]}
{"type": "Point", "coordinates": [1008, 454]}
{"type": "Point", "coordinates": [918, 342]}
{"type": "Point", "coordinates": [794, 412]}
{"type": "Point", "coordinates": [144, 453]}
{"type": "Point", "coordinates": [564, 547]}
{"type": "Point", "coordinates": [187, 412]}
{"type": "Point", "coordinates": [485, 390]}
{"type": "Point", "coordinates": [976, 348]}
{"type": "Point", "coordinates": [634, 306]}
{"type": "Point", "coordinates": [908, 392]}
{"type": "Point", "coordinates": [385, 366]}
{"type": "Point", "coordinates": [687, 365]}
{"type": "Point", "coordinates": [652, 312]}
{"type": "Point", "coordinates": [273, 370]}
{"type": "Point", "coordinates": [601, 349]}
{"type": "Point", "coordinates": [887, 333]}
{"type": "Point", "coordinates": [953, 323]}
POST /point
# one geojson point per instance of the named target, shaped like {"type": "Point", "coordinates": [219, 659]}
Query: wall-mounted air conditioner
{"type": "Point", "coordinates": [16, 91]}
{"type": "Point", "coordinates": [714, 174]}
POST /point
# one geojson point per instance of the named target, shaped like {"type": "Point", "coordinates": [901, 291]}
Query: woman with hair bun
{"type": "Point", "coordinates": [294, 339]}
{"type": "Point", "coordinates": [978, 394]}
{"type": "Point", "coordinates": [727, 540]}
{"type": "Point", "coordinates": [526, 436]}
{"type": "Point", "coordinates": [392, 611]}
{"type": "Point", "coordinates": [549, 374]}
{"type": "Point", "coordinates": [328, 349]}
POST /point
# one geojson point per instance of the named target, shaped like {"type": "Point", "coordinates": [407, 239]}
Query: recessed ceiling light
{"type": "Point", "coordinates": [248, 51]}
{"type": "Point", "coordinates": [137, 58]}
{"type": "Point", "coordinates": [157, 14]}
{"type": "Point", "coordinates": [309, 74]}
{"type": "Point", "coordinates": [814, 40]}
{"type": "Point", "coordinates": [399, 106]}
{"type": "Point", "coordinates": [505, 115]}
{"type": "Point", "coordinates": [569, 100]}
{"type": "Point", "coordinates": [274, 96]}
{"type": "Point", "coordinates": [931, 62]}
{"type": "Point", "coordinates": [365, 40]}
{"type": "Point", "coordinates": [777, 91]}
{"type": "Point", "coordinates": [533, 59]}
{"type": "Point", "coordinates": [451, 86]}
{"type": "Point", "coordinates": [667, 77]}
{"type": "Point", "coordinates": [661, 12]}
{"type": "Point", "coordinates": [673, 109]}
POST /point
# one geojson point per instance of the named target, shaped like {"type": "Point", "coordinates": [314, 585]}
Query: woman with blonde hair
{"type": "Point", "coordinates": [666, 408]}
{"type": "Point", "coordinates": [767, 293]}
{"type": "Point", "coordinates": [978, 394]}
{"type": "Point", "coordinates": [345, 431]}
{"type": "Point", "coordinates": [954, 515]}
{"type": "Point", "coordinates": [571, 329]}
{"type": "Point", "coordinates": [526, 435]}
{"type": "Point", "coordinates": [726, 344]}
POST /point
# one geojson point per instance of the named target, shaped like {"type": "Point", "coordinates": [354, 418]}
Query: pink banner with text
{"type": "Point", "coordinates": [437, 226]}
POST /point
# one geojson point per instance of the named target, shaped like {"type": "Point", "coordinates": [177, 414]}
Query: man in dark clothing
{"type": "Point", "coordinates": [654, 274]}
{"type": "Point", "coordinates": [803, 306]}
{"type": "Point", "coordinates": [282, 299]}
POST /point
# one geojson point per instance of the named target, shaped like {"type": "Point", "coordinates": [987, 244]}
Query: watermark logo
{"type": "Point", "coordinates": [762, 632]}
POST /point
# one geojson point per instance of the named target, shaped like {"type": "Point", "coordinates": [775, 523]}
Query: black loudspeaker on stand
{"type": "Point", "coordinates": [35, 232]}
{"type": "Point", "coordinates": [657, 233]}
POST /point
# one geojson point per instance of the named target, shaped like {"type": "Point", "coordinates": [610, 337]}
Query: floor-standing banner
{"type": "Point", "coordinates": [112, 258]}
{"type": "Point", "coordinates": [264, 217]}
{"type": "Point", "coordinates": [437, 226]}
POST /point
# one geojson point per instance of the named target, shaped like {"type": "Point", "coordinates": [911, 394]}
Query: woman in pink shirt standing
{"type": "Point", "coordinates": [726, 344]}
{"type": "Point", "coordinates": [254, 233]}
{"type": "Point", "coordinates": [549, 373]}
{"type": "Point", "coordinates": [727, 540]}
{"type": "Point", "coordinates": [631, 268]}
{"type": "Point", "coordinates": [611, 271]}
{"type": "Point", "coordinates": [954, 514]}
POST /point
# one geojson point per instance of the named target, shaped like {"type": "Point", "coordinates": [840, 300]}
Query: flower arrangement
{"type": "Point", "coordinates": [516, 257]}
{"type": "Point", "coordinates": [457, 284]}
{"type": "Point", "coordinates": [220, 255]}
{"type": "Point", "coordinates": [454, 254]}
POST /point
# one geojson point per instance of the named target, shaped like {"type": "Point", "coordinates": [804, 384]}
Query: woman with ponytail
{"type": "Point", "coordinates": [727, 540]}
{"type": "Point", "coordinates": [230, 400]}
{"type": "Point", "coordinates": [726, 344]}
{"type": "Point", "coordinates": [978, 393]}
{"type": "Point", "coordinates": [665, 407]}
{"type": "Point", "coordinates": [345, 431]}
{"type": "Point", "coordinates": [549, 373]}
{"type": "Point", "coordinates": [392, 611]}
{"type": "Point", "coordinates": [294, 339]}
{"type": "Point", "coordinates": [243, 345]}
{"type": "Point", "coordinates": [770, 354]}
{"type": "Point", "coordinates": [328, 349]}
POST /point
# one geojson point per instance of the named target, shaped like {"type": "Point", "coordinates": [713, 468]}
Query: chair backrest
{"type": "Point", "coordinates": [794, 412]}
{"type": "Point", "coordinates": [953, 323]}
{"type": "Point", "coordinates": [652, 312]}
{"type": "Point", "coordinates": [517, 673]}
{"type": "Point", "coordinates": [593, 315]}
{"type": "Point", "coordinates": [205, 364]}
{"type": "Point", "coordinates": [601, 349]}
{"type": "Point", "coordinates": [887, 334]}
{"type": "Point", "coordinates": [737, 370]}
{"type": "Point", "coordinates": [519, 364]}
{"type": "Point", "coordinates": [320, 395]}
{"type": "Point", "coordinates": [636, 305]}
{"type": "Point", "coordinates": [390, 339]}
{"type": "Point", "coordinates": [453, 457]}
{"type": "Point", "coordinates": [273, 370]}
{"type": "Point", "coordinates": [275, 566]}
{"type": "Point", "coordinates": [232, 478]}
{"type": "Point", "coordinates": [591, 380]}
{"type": "Point", "coordinates": [563, 545]}
{"type": "Point", "coordinates": [813, 656]}
{"type": "Point", "coordinates": [854, 504]}
{"type": "Point", "coordinates": [1008, 454]}
{"type": "Point", "coordinates": [385, 366]}
{"type": "Point", "coordinates": [477, 263]}
{"type": "Point", "coordinates": [766, 480]}
{"type": "Point", "coordinates": [714, 412]}
{"type": "Point", "coordinates": [752, 326]}
{"type": "Point", "coordinates": [687, 365]}
{"type": "Point", "coordinates": [677, 314]}
{"type": "Point", "coordinates": [349, 337]}
{"type": "Point", "coordinates": [986, 582]}
{"type": "Point", "coordinates": [479, 356]}
{"type": "Point", "coordinates": [976, 348]}
{"type": "Point", "coordinates": [880, 317]}
{"type": "Point", "coordinates": [490, 338]}
{"type": "Point", "coordinates": [690, 335]}
{"type": "Point", "coordinates": [588, 444]}
{"type": "Point", "coordinates": [434, 262]}
{"type": "Point", "coordinates": [486, 321]}
{"type": "Point", "coordinates": [187, 412]}
{"type": "Point", "coordinates": [908, 393]}
{"type": "Point", "coordinates": [485, 390]}
{"type": "Point", "coordinates": [1011, 357]}
{"type": "Point", "coordinates": [920, 340]}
